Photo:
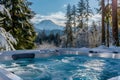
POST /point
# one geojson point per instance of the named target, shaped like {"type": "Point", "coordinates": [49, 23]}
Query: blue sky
{"type": "Point", "coordinates": [50, 6]}
{"type": "Point", "coordinates": [53, 9]}
{"type": "Point", "coordinates": [46, 7]}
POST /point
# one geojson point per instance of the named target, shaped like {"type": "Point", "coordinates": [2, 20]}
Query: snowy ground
{"type": "Point", "coordinates": [115, 78]}
{"type": "Point", "coordinates": [110, 49]}
{"type": "Point", "coordinates": [46, 46]}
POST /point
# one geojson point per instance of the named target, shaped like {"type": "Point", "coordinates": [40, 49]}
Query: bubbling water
{"type": "Point", "coordinates": [64, 68]}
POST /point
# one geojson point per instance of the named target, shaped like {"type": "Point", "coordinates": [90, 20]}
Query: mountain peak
{"type": "Point", "coordinates": [47, 22]}
{"type": "Point", "coordinates": [48, 25]}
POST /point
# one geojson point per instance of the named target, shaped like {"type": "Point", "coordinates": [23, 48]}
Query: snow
{"type": "Point", "coordinates": [103, 49]}
{"type": "Point", "coordinates": [115, 78]}
{"type": "Point", "coordinates": [3, 10]}
{"type": "Point", "coordinates": [46, 46]}
{"type": "Point", "coordinates": [6, 40]}
{"type": "Point", "coordinates": [97, 50]}
{"type": "Point", "coordinates": [5, 75]}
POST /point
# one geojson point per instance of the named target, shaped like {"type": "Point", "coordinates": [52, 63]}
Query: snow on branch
{"type": "Point", "coordinates": [6, 40]}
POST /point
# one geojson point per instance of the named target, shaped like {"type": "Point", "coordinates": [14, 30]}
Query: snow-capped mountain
{"type": "Point", "coordinates": [48, 25]}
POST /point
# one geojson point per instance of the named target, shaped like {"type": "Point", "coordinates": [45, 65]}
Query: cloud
{"type": "Point", "coordinates": [58, 18]}
{"type": "Point", "coordinates": [65, 5]}
{"type": "Point", "coordinates": [95, 17]}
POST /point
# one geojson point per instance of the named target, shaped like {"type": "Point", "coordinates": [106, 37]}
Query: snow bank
{"type": "Point", "coordinates": [115, 78]}
{"type": "Point", "coordinates": [103, 49]}
{"type": "Point", "coordinates": [46, 46]}
{"type": "Point", "coordinates": [5, 75]}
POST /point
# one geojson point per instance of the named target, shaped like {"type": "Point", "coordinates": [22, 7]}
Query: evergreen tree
{"type": "Point", "coordinates": [6, 39]}
{"type": "Point", "coordinates": [88, 11]}
{"type": "Point", "coordinates": [81, 13]}
{"type": "Point", "coordinates": [20, 26]}
{"type": "Point", "coordinates": [51, 38]}
{"type": "Point", "coordinates": [57, 40]}
{"type": "Point", "coordinates": [22, 29]}
{"type": "Point", "coordinates": [7, 21]}
{"type": "Point", "coordinates": [43, 36]}
{"type": "Point", "coordinates": [74, 17]}
{"type": "Point", "coordinates": [38, 38]}
{"type": "Point", "coordinates": [68, 28]}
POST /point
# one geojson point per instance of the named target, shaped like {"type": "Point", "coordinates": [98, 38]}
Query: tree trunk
{"type": "Point", "coordinates": [108, 15]}
{"type": "Point", "coordinates": [115, 23]}
{"type": "Point", "coordinates": [103, 22]}
{"type": "Point", "coordinates": [13, 17]}
{"type": "Point", "coordinates": [4, 21]}
{"type": "Point", "coordinates": [108, 32]}
{"type": "Point", "coordinates": [74, 24]}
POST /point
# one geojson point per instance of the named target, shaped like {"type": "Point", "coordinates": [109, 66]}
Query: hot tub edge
{"type": "Point", "coordinates": [5, 75]}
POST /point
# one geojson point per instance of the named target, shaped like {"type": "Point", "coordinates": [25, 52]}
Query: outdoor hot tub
{"type": "Point", "coordinates": [60, 64]}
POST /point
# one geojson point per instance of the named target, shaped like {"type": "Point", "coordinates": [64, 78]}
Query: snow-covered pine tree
{"type": "Point", "coordinates": [57, 40]}
{"type": "Point", "coordinates": [22, 29]}
{"type": "Point", "coordinates": [88, 11]}
{"type": "Point", "coordinates": [94, 35]}
{"type": "Point", "coordinates": [51, 37]}
{"type": "Point", "coordinates": [38, 39]}
{"type": "Point", "coordinates": [74, 15]}
{"type": "Point", "coordinates": [43, 36]}
{"type": "Point", "coordinates": [6, 39]}
{"type": "Point", "coordinates": [68, 29]}
{"type": "Point", "coordinates": [81, 13]}
{"type": "Point", "coordinates": [7, 18]}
